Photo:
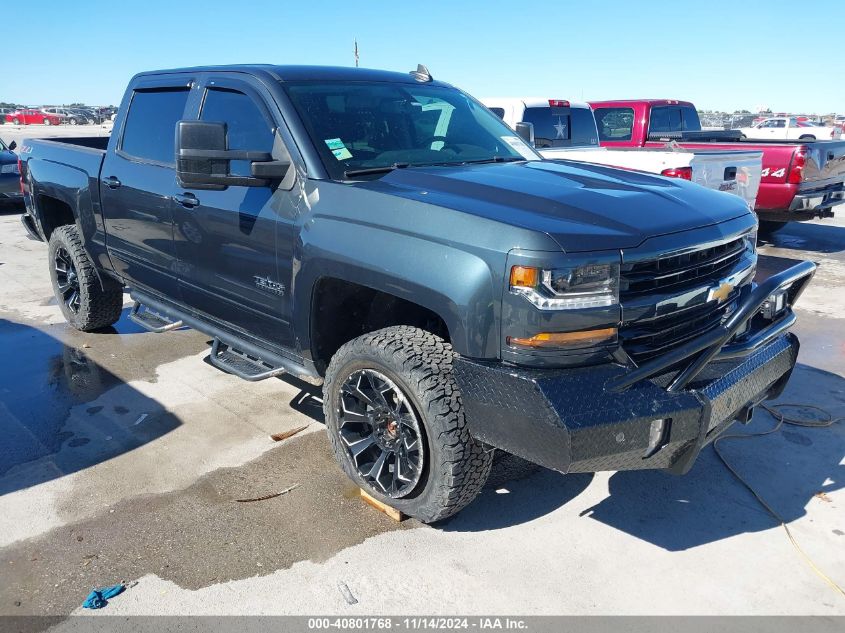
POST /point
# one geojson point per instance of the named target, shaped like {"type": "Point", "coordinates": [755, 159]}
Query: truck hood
{"type": "Point", "coordinates": [583, 207]}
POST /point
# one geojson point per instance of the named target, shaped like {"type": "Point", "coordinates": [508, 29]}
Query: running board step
{"type": "Point", "coordinates": [152, 321]}
{"type": "Point", "coordinates": [243, 365]}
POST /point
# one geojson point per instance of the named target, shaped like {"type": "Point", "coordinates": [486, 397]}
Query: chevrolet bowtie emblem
{"type": "Point", "coordinates": [721, 292]}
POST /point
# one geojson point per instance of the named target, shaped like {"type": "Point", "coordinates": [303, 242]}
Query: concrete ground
{"type": "Point", "coordinates": [123, 456]}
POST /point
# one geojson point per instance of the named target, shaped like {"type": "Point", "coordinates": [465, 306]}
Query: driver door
{"type": "Point", "coordinates": [235, 245]}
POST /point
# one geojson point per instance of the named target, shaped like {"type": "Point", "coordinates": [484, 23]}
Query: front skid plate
{"type": "Point", "coordinates": [567, 421]}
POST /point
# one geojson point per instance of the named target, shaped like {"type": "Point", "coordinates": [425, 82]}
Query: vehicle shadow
{"type": "Point", "coordinates": [803, 236]}
{"type": "Point", "coordinates": [516, 492]}
{"type": "Point", "coordinates": [787, 468]}
{"type": "Point", "coordinates": [47, 429]}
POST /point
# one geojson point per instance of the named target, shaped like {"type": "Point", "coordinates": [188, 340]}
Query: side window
{"type": "Point", "coordinates": [247, 128]}
{"type": "Point", "coordinates": [150, 128]}
{"type": "Point", "coordinates": [615, 124]}
{"type": "Point", "coordinates": [659, 121]}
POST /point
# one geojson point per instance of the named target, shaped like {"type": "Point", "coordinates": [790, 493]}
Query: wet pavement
{"type": "Point", "coordinates": [123, 456]}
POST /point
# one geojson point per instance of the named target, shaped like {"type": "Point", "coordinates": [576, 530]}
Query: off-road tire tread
{"type": "Point", "coordinates": [425, 363]}
{"type": "Point", "coordinates": [100, 303]}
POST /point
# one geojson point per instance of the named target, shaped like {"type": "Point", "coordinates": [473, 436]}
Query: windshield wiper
{"type": "Point", "coordinates": [374, 170]}
{"type": "Point", "coordinates": [494, 159]}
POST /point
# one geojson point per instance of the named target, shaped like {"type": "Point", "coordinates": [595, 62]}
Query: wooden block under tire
{"type": "Point", "coordinates": [393, 513]}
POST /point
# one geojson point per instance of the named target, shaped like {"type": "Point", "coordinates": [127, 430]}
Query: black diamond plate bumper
{"type": "Point", "coordinates": [571, 421]}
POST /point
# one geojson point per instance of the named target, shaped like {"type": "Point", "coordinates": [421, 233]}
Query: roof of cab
{"type": "Point", "coordinates": [633, 102]}
{"type": "Point", "coordinates": [531, 102]}
{"type": "Point", "coordinates": [302, 73]}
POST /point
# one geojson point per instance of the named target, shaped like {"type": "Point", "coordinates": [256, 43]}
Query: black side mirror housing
{"type": "Point", "coordinates": [12, 145]}
{"type": "Point", "coordinates": [525, 131]}
{"type": "Point", "coordinates": [203, 162]}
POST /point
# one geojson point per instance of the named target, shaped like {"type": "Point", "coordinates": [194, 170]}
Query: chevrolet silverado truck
{"type": "Point", "coordinates": [387, 236]}
{"type": "Point", "coordinates": [566, 130]}
{"type": "Point", "coordinates": [801, 180]}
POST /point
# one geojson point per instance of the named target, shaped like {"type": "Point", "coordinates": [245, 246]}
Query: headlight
{"type": "Point", "coordinates": [586, 286]}
{"type": "Point", "coordinates": [751, 240]}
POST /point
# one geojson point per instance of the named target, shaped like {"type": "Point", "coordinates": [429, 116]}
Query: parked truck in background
{"type": "Point", "coordinates": [563, 129]}
{"type": "Point", "coordinates": [11, 194]}
{"type": "Point", "coordinates": [387, 236]}
{"type": "Point", "coordinates": [801, 180]}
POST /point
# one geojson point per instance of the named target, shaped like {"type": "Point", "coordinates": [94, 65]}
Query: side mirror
{"type": "Point", "coordinates": [525, 131]}
{"type": "Point", "coordinates": [12, 145]}
{"type": "Point", "coordinates": [203, 162]}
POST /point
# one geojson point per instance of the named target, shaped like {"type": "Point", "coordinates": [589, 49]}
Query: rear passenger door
{"type": "Point", "coordinates": [235, 246]}
{"type": "Point", "coordinates": [138, 181]}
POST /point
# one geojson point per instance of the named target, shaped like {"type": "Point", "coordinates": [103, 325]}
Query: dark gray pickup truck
{"type": "Point", "coordinates": [388, 236]}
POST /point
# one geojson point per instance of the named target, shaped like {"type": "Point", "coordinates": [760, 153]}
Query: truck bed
{"type": "Point", "coordinates": [732, 171]}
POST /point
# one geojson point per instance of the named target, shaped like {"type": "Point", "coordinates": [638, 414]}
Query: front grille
{"type": "Point", "coordinates": [681, 271]}
{"type": "Point", "coordinates": [646, 338]}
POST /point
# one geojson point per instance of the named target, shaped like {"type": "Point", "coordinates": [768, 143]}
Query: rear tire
{"type": "Point", "coordinates": [86, 303]}
{"type": "Point", "coordinates": [405, 371]}
{"type": "Point", "coordinates": [16, 121]}
{"type": "Point", "coordinates": [46, 121]}
{"type": "Point", "coordinates": [807, 137]}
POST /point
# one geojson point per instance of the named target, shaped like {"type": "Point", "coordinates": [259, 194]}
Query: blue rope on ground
{"type": "Point", "coordinates": [99, 598]}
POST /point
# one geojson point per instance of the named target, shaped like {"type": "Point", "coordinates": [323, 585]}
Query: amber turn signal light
{"type": "Point", "coordinates": [525, 277]}
{"type": "Point", "coordinates": [565, 339]}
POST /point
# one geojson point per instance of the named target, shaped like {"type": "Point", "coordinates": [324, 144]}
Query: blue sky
{"type": "Point", "coordinates": [720, 56]}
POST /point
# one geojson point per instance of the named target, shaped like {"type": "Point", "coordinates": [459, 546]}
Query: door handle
{"type": "Point", "coordinates": [111, 182]}
{"type": "Point", "coordinates": [187, 200]}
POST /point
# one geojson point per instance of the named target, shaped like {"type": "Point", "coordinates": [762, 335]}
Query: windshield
{"type": "Point", "coordinates": [364, 125]}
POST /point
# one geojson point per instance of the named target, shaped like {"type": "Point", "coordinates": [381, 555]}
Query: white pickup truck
{"type": "Point", "coordinates": [567, 130]}
{"type": "Point", "coordinates": [789, 127]}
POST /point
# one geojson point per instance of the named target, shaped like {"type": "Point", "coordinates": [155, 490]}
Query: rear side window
{"type": "Point", "coordinates": [615, 124]}
{"type": "Point", "coordinates": [561, 127]}
{"type": "Point", "coordinates": [246, 126]}
{"type": "Point", "coordinates": [150, 128]}
{"type": "Point", "coordinates": [673, 119]}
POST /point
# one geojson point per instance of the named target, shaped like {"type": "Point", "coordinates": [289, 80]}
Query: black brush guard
{"type": "Point", "coordinates": [601, 418]}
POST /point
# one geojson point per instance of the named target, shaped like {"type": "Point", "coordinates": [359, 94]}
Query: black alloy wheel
{"type": "Point", "coordinates": [67, 279]}
{"type": "Point", "coordinates": [381, 433]}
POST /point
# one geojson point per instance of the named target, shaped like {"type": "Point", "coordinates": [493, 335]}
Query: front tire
{"type": "Point", "coordinates": [86, 304]}
{"type": "Point", "coordinates": [396, 423]}
{"type": "Point", "coordinates": [46, 122]}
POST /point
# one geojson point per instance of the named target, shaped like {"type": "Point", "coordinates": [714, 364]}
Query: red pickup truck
{"type": "Point", "coordinates": [801, 180]}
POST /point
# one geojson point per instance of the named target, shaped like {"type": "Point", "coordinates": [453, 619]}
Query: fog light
{"type": "Point", "coordinates": [658, 435]}
{"type": "Point", "coordinates": [774, 305]}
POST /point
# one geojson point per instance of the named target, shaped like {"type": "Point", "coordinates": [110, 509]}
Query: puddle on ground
{"type": "Point", "coordinates": [50, 370]}
{"type": "Point", "coordinates": [201, 535]}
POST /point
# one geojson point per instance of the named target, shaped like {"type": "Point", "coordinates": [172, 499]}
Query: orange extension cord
{"type": "Point", "coordinates": [782, 419]}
